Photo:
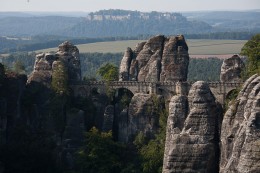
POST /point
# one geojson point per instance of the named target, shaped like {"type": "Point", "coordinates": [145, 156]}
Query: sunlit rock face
{"type": "Point", "coordinates": [45, 63]}
{"type": "Point", "coordinates": [231, 69]}
{"type": "Point", "coordinates": [159, 59]}
{"type": "Point", "coordinates": [192, 132]}
{"type": "Point", "coordinates": [240, 133]}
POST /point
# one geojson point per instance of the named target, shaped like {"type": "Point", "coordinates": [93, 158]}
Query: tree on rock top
{"type": "Point", "coordinates": [252, 50]}
{"type": "Point", "coordinates": [108, 72]}
{"type": "Point", "coordinates": [60, 78]}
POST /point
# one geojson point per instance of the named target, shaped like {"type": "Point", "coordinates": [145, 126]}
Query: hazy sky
{"type": "Point", "coordinates": [140, 5]}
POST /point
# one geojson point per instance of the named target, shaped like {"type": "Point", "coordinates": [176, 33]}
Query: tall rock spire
{"type": "Point", "coordinates": [159, 59]}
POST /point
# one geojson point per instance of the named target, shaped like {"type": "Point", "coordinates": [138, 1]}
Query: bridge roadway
{"type": "Point", "coordinates": [167, 89]}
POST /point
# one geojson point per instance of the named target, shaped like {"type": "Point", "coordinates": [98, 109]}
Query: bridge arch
{"type": "Point", "coordinates": [167, 89]}
{"type": "Point", "coordinates": [131, 89]}
{"type": "Point", "coordinates": [232, 94]}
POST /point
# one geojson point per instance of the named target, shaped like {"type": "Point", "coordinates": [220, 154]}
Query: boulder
{"type": "Point", "coordinates": [240, 133]}
{"type": "Point", "coordinates": [192, 132]}
{"type": "Point", "coordinates": [231, 69]}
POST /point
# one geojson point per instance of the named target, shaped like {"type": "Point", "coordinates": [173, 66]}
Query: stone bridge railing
{"type": "Point", "coordinates": [168, 89]}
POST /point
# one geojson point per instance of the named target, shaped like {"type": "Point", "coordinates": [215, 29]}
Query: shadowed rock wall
{"type": "Point", "coordinates": [240, 133]}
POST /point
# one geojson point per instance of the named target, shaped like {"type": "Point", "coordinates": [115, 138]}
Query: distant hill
{"type": "Point", "coordinates": [229, 20]}
{"type": "Point", "coordinates": [107, 23]}
{"type": "Point", "coordinates": [104, 23]}
{"type": "Point", "coordinates": [30, 26]}
{"type": "Point", "coordinates": [114, 23]}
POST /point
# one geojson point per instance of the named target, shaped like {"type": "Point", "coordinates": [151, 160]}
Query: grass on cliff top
{"type": "Point", "coordinates": [196, 47]}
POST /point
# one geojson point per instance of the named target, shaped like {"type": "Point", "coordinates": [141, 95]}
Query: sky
{"type": "Point", "coordinates": [140, 5]}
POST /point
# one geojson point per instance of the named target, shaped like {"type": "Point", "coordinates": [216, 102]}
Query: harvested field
{"type": "Point", "coordinates": [197, 48]}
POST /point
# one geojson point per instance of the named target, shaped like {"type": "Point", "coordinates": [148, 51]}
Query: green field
{"type": "Point", "coordinates": [196, 47]}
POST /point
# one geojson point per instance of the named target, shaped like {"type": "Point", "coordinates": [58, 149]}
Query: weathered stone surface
{"type": "Point", "coordinates": [158, 59]}
{"type": "Point", "coordinates": [231, 69]}
{"type": "Point", "coordinates": [70, 56]}
{"type": "Point", "coordinates": [44, 62]}
{"type": "Point", "coordinates": [123, 126]}
{"type": "Point", "coordinates": [125, 65]}
{"type": "Point", "coordinates": [240, 133]}
{"type": "Point", "coordinates": [108, 118]}
{"type": "Point", "coordinates": [72, 138]}
{"type": "Point", "coordinates": [175, 60]}
{"type": "Point", "coordinates": [11, 102]}
{"type": "Point", "coordinates": [192, 132]}
{"type": "Point", "coordinates": [42, 69]}
{"type": "Point", "coordinates": [139, 117]}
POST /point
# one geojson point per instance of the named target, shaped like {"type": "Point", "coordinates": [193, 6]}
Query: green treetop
{"type": "Point", "coordinates": [252, 50]}
{"type": "Point", "coordinates": [60, 78]}
{"type": "Point", "coordinates": [108, 72]}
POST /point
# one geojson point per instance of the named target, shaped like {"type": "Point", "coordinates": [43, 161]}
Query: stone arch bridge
{"type": "Point", "coordinates": [167, 89]}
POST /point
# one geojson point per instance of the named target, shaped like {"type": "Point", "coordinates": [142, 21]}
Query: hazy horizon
{"type": "Point", "coordinates": [144, 5]}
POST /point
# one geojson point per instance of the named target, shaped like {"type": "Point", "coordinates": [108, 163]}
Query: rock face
{"type": "Point", "coordinates": [159, 59]}
{"type": "Point", "coordinates": [240, 133]}
{"type": "Point", "coordinates": [73, 138]}
{"type": "Point", "coordinates": [141, 116]}
{"type": "Point", "coordinates": [192, 132]}
{"type": "Point", "coordinates": [108, 118]}
{"type": "Point", "coordinates": [11, 101]}
{"type": "Point", "coordinates": [44, 64]}
{"type": "Point", "coordinates": [231, 69]}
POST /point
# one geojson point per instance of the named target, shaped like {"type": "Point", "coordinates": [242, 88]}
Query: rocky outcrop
{"type": "Point", "coordinates": [73, 137]}
{"type": "Point", "coordinates": [108, 118]}
{"type": "Point", "coordinates": [192, 132]}
{"type": "Point", "coordinates": [44, 64]}
{"type": "Point", "coordinates": [231, 69]}
{"type": "Point", "coordinates": [125, 65]}
{"type": "Point", "coordinates": [240, 133]}
{"type": "Point", "coordinates": [159, 59]}
{"type": "Point", "coordinates": [141, 116]}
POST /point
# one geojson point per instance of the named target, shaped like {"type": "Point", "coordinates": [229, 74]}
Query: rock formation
{"type": "Point", "coordinates": [141, 116]}
{"type": "Point", "coordinates": [73, 138]}
{"type": "Point", "coordinates": [11, 102]}
{"type": "Point", "coordinates": [192, 132]}
{"type": "Point", "coordinates": [44, 64]}
{"type": "Point", "coordinates": [231, 69]}
{"type": "Point", "coordinates": [159, 59]}
{"type": "Point", "coordinates": [240, 133]}
{"type": "Point", "coordinates": [108, 118]}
